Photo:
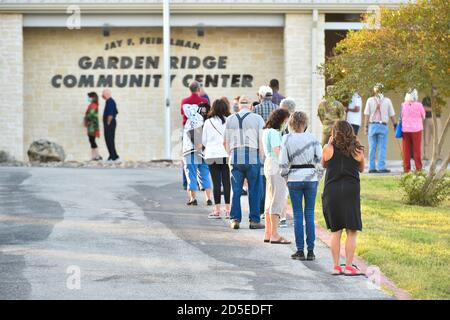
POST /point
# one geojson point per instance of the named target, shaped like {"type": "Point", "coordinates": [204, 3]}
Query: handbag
{"type": "Point", "coordinates": [398, 130]}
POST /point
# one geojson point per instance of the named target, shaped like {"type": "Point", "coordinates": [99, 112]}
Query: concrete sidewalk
{"type": "Point", "coordinates": [130, 236]}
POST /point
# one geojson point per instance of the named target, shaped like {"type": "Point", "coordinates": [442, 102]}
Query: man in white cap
{"type": "Point", "coordinates": [266, 106]}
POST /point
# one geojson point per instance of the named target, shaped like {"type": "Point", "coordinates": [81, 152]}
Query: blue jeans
{"type": "Point", "coordinates": [252, 172]}
{"type": "Point", "coordinates": [299, 190]}
{"type": "Point", "coordinates": [197, 173]}
{"type": "Point", "coordinates": [378, 137]}
{"type": "Point", "coordinates": [263, 191]}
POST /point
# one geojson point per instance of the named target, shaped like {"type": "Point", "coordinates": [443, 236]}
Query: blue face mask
{"type": "Point", "coordinates": [88, 99]}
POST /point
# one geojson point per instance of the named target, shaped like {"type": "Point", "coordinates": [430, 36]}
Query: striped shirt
{"type": "Point", "coordinates": [265, 108]}
{"type": "Point", "coordinates": [300, 149]}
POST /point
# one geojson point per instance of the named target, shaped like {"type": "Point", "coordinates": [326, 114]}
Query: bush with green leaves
{"type": "Point", "coordinates": [412, 184]}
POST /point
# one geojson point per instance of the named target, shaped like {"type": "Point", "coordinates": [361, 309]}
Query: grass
{"type": "Point", "coordinates": [410, 244]}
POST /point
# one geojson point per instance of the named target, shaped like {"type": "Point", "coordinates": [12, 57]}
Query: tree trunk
{"type": "Point", "coordinates": [438, 142]}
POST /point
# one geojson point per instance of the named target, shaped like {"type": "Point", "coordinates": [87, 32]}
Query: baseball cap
{"type": "Point", "coordinates": [265, 91]}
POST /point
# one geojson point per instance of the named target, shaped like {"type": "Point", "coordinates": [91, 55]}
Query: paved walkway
{"type": "Point", "coordinates": [130, 235]}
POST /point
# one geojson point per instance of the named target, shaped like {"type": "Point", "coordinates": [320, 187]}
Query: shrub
{"type": "Point", "coordinates": [412, 184]}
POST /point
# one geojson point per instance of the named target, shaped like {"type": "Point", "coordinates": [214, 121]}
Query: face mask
{"type": "Point", "coordinates": [236, 107]}
{"type": "Point", "coordinates": [89, 99]}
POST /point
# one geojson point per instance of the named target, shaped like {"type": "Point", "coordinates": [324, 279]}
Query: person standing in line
{"type": "Point", "coordinates": [378, 111]}
{"type": "Point", "coordinates": [243, 135]}
{"type": "Point", "coordinates": [264, 108]}
{"type": "Point", "coordinates": [276, 97]}
{"type": "Point", "coordinates": [354, 112]}
{"type": "Point", "coordinates": [412, 115]}
{"type": "Point", "coordinates": [428, 129]}
{"type": "Point", "coordinates": [195, 167]}
{"type": "Point", "coordinates": [92, 124]}
{"type": "Point", "coordinates": [110, 124]}
{"type": "Point", "coordinates": [216, 155]}
{"type": "Point", "coordinates": [289, 105]}
{"type": "Point", "coordinates": [300, 153]}
{"type": "Point", "coordinates": [236, 104]}
{"type": "Point", "coordinates": [202, 93]}
{"type": "Point", "coordinates": [276, 186]}
{"type": "Point", "coordinates": [343, 156]}
{"type": "Point", "coordinates": [329, 111]}
{"type": "Point", "coordinates": [193, 98]}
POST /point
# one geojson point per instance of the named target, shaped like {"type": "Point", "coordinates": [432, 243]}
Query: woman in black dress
{"type": "Point", "coordinates": [343, 157]}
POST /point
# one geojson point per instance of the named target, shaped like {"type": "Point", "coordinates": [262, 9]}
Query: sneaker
{"type": "Point", "coordinates": [209, 203]}
{"type": "Point", "coordinates": [256, 225]}
{"type": "Point", "coordinates": [384, 171]}
{"type": "Point", "coordinates": [192, 203]}
{"type": "Point", "coordinates": [283, 223]}
{"type": "Point", "coordinates": [299, 255]}
{"type": "Point", "coordinates": [373, 171]}
{"type": "Point", "coordinates": [234, 224]}
{"type": "Point", "coordinates": [118, 161]}
{"type": "Point", "coordinates": [310, 256]}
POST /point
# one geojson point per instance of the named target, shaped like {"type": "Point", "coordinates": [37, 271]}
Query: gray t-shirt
{"type": "Point", "coordinates": [249, 136]}
{"type": "Point", "coordinates": [300, 149]}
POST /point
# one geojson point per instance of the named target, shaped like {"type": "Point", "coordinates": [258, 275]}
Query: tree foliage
{"type": "Point", "coordinates": [409, 48]}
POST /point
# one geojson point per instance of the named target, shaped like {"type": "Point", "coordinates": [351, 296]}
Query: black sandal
{"type": "Point", "coordinates": [281, 241]}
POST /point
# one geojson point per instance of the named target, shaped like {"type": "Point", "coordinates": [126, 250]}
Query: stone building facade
{"type": "Point", "coordinates": [232, 46]}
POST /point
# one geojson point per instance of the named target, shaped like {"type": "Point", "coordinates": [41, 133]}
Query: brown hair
{"type": "Point", "coordinates": [220, 108]}
{"type": "Point", "coordinates": [297, 120]}
{"type": "Point", "coordinates": [276, 119]}
{"type": "Point", "coordinates": [344, 139]}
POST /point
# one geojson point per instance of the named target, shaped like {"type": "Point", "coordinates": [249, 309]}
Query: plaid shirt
{"type": "Point", "coordinates": [265, 108]}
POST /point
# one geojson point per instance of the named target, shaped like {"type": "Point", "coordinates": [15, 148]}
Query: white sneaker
{"type": "Point", "coordinates": [283, 223]}
{"type": "Point", "coordinates": [118, 161]}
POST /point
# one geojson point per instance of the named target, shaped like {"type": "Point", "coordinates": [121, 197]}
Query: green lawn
{"type": "Point", "coordinates": [410, 244]}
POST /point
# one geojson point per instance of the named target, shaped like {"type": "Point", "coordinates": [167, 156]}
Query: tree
{"type": "Point", "coordinates": [410, 48]}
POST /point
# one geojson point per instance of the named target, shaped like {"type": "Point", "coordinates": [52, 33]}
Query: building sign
{"type": "Point", "coordinates": [143, 67]}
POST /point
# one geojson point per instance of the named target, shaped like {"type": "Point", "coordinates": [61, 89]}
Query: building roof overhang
{"type": "Point", "coordinates": [192, 6]}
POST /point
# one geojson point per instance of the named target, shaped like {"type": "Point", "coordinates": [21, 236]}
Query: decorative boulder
{"type": "Point", "coordinates": [45, 151]}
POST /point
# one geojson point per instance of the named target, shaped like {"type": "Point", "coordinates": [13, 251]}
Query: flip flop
{"type": "Point", "coordinates": [337, 271]}
{"type": "Point", "coordinates": [281, 241]}
{"type": "Point", "coordinates": [353, 271]}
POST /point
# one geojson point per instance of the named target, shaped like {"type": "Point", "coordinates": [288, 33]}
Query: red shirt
{"type": "Point", "coordinates": [192, 99]}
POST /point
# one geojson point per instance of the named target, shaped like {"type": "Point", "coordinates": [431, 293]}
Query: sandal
{"type": "Point", "coordinates": [337, 270]}
{"type": "Point", "coordinates": [352, 271]}
{"type": "Point", "coordinates": [214, 215]}
{"type": "Point", "coordinates": [281, 241]}
{"type": "Point", "coordinates": [227, 214]}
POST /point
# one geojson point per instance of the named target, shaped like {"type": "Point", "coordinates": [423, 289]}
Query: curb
{"type": "Point", "coordinates": [399, 294]}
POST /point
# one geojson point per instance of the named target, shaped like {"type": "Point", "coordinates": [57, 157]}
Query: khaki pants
{"type": "Point", "coordinates": [428, 137]}
{"type": "Point", "coordinates": [276, 191]}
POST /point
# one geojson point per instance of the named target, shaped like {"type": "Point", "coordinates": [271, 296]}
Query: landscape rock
{"type": "Point", "coordinates": [45, 151]}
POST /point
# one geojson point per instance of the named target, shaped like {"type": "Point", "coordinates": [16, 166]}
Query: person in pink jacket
{"type": "Point", "coordinates": [412, 114]}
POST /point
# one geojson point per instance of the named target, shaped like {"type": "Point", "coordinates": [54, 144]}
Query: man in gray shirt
{"type": "Point", "coordinates": [243, 136]}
